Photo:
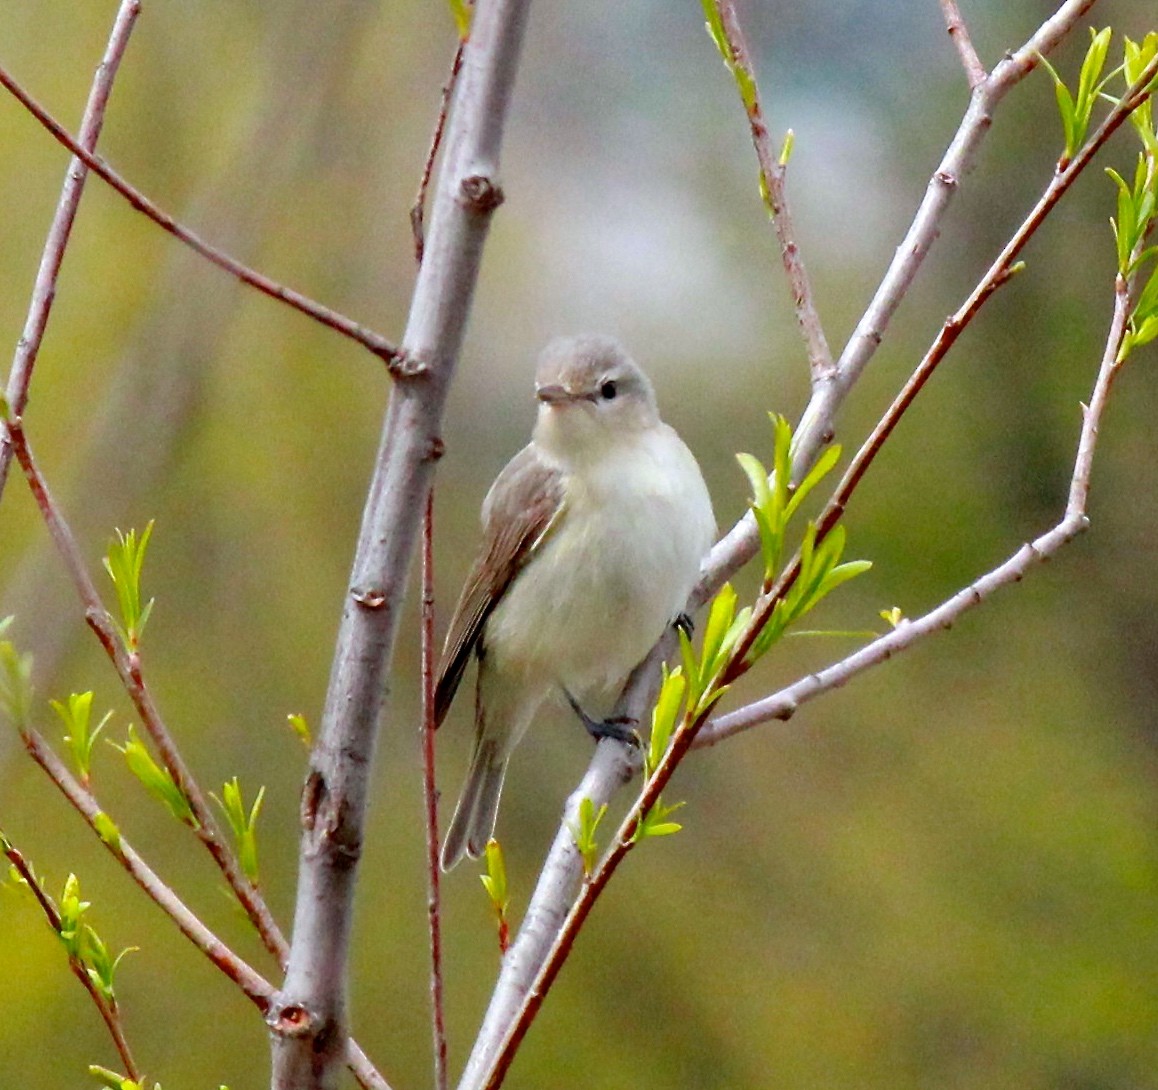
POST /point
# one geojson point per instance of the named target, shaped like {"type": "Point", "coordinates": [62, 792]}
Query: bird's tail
{"type": "Point", "coordinates": [478, 805]}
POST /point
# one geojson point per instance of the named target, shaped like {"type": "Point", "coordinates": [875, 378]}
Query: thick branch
{"type": "Point", "coordinates": [44, 289]}
{"type": "Point", "coordinates": [308, 1019]}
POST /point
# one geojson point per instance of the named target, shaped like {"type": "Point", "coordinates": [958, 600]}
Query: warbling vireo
{"type": "Point", "coordinates": [592, 541]}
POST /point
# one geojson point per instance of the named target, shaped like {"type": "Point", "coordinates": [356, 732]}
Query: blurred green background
{"type": "Point", "coordinates": [944, 875]}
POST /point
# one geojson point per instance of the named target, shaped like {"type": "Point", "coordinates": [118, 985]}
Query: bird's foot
{"type": "Point", "coordinates": [620, 727]}
{"type": "Point", "coordinates": [685, 624]}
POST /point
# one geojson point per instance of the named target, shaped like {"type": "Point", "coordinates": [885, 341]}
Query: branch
{"type": "Point", "coordinates": [254, 986]}
{"type": "Point", "coordinates": [44, 289]}
{"type": "Point", "coordinates": [309, 1018]}
{"type": "Point", "coordinates": [108, 1009]}
{"type": "Point", "coordinates": [817, 425]}
{"type": "Point", "coordinates": [959, 33]}
{"type": "Point", "coordinates": [782, 705]}
{"type": "Point", "coordinates": [418, 209]}
{"type": "Point", "coordinates": [332, 319]}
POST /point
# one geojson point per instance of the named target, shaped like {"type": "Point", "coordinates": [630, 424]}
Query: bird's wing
{"type": "Point", "coordinates": [522, 507]}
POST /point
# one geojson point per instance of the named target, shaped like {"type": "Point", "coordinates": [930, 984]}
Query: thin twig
{"type": "Point", "coordinates": [44, 289]}
{"type": "Point", "coordinates": [128, 667]}
{"type": "Point", "coordinates": [109, 1011]}
{"type": "Point", "coordinates": [817, 424]}
{"type": "Point", "coordinates": [975, 71]}
{"type": "Point", "coordinates": [418, 209]}
{"type": "Point", "coordinates": [773, 171]}
{"type": "Point", "coordinates": [430, 792]}
{"type": "Point", "coordinates": [332, 319]}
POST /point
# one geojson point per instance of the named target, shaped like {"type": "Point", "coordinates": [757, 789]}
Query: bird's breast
{"type": "Point", "coordinates": [614, 571]}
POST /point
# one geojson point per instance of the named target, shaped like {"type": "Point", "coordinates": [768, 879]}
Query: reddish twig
{"type": "Point", "coordinates": [975, 71]}
{"type": "Point", "coordinates": [418, 209]}
{"type": "Point", "coordinates": [430, 791]}
{"type": "Point", "coordinates": [773, 171]}
{"type": "Point", "coordinates": [332, 319]}
{"type": "Point", "coordinates": [108, 1008]}
{"type": "Point", "coordinates": [44, 289]}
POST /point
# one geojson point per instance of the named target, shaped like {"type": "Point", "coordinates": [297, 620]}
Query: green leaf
{"type": "Point", "coordinates": [715, 28]}
{"type": "Point", "coordinates": [301, 728]}
{"type": "Point", "coordinates": [461, 11]}
{"type": "Point", "coordinates": [583, 833]}
{"type": "Point", "coordinates": [655, 823]}
{"type": "Point", "coordinates": [124, 562]}
{"type": "Point", "coordinates": [107, 830]}
{"type": "Point", "coordinates": [663, 717]}
{"type": "Point", "coordinates": [691, 668]}
{"type": "Point", "coordinates": [242, 824]}
{"type": "Point", "coordinates": [157, 781]}
{"type": "Point", "coordinates": [758, 478]}
{"type": "Point", "coordinates": [822, 467]}
{"type": "Point", "coordinates": [495, 879]}
{"type": "Point", "coordinates": [720, 616]}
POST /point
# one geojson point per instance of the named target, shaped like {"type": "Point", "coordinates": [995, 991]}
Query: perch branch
{"type": "Point", "coordinates": [562, 870]}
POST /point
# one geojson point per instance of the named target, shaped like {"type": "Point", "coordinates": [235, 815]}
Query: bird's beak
{"type": "Point", "coordinates": [555, 394]}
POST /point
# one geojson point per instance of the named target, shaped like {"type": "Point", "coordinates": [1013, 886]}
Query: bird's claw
{"type": "Point", "coordinates": [620, 727]}
{"type": "Point", "coordinates": [685, 624]}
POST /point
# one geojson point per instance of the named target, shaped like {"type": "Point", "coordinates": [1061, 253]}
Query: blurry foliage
{"type": "Point", "coordinates": [943, 875]}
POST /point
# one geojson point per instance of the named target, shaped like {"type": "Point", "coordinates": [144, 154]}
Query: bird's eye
{"type": "Point", "coordinates": [608, 390]}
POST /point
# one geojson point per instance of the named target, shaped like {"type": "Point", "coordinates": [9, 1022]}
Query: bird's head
{"type": "Point", "coordinates": [591, 395]}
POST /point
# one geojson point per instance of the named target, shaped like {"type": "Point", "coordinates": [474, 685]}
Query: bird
{"type": "Point", "coordinates": [592, 539]}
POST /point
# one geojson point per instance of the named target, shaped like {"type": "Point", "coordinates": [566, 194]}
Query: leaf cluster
{"type": "Point", "coordinates": [1077, 107]}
